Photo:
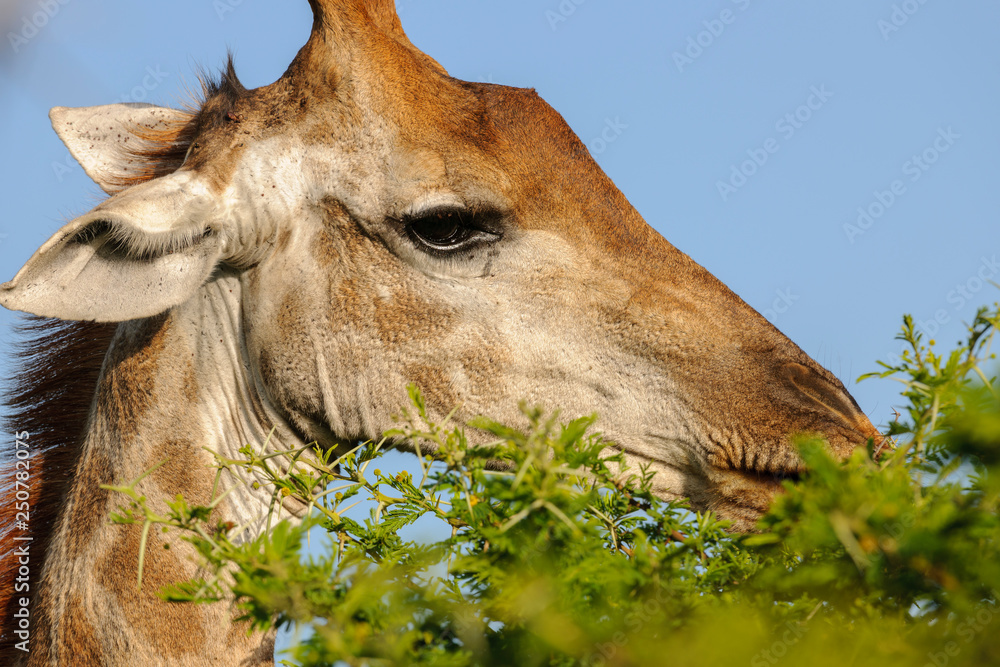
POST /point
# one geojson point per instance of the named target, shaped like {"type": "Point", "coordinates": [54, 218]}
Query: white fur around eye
{"type": "Point", "coordinates": [460, 265]}
{"type": "Point", "coordinates": [437, 200]}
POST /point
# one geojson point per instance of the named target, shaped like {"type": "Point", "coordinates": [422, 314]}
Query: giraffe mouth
{"type": "Point", "coordinates": [790, 476]}
{"type": "Point", "coordinates": [744, 496]}
{"type": "Point", "coordinates": [767, 478]}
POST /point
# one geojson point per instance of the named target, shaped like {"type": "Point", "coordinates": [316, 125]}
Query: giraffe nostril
{"type": "Point", "coordinates": [829, 395]}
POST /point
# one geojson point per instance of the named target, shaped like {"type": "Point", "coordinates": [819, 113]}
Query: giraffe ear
{"type": "Point", "coordinates": [138, 254]}
{"type": "Point", "coordinates": [99, 138]}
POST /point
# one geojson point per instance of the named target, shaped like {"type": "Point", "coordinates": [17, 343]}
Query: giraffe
{"type": "Point", "coordinates": [279, 263]}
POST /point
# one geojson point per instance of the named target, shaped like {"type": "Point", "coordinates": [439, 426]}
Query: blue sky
{"type": "Point", "coordinates": [751, 134]}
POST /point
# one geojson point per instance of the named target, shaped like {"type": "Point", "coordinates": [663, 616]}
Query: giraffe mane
{"type": "Point", "coordinates": [50, 399]}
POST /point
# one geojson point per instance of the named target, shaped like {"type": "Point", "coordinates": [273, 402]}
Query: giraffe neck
{"type": "Point", "coordinates": [171, 388]}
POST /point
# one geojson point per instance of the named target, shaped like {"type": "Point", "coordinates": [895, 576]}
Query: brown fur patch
{"type": "Point", "coordinates": [172, 629]}
{"type": "Point", "coordinates": [325, 245]}
{"type": "Point", "coordinates": [483, 365]}
{"type": "Point", "coordinates": [341, 238]}
{"type": "Point", "coordinates": [405, 317]}
{"type": "Point", "coordinates": [88, 503]}
{"type": "Point", "coordinates": [435, 385]}
{"type": "Point", "coordinates": [79, 637]}
{"type": "Point", "coordinates": [236, 634]}
{"type": "Point", "coordinates": [283, 240]}
{"type": "Point", "coordinates": [184, 471]}
{"type": "Point", "coordinates": [125, 393]}
{"type": "Point", "coordinates": [189, 385]}
{"type": "Point", "coordinates": [346, 306]}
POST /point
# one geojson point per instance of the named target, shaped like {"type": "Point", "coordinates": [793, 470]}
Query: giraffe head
{"type": "Point", "coordinates": [389, 224]}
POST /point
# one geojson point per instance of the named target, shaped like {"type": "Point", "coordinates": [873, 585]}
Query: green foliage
{"type": "Point", "coordinates": [558, 555]}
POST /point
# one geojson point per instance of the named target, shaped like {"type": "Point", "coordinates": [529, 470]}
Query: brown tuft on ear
{"type": "Point", "coordinates": [158, 152]}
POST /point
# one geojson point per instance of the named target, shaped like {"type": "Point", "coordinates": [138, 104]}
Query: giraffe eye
{"type": "Point", "coordinates": [442, 229]}
{"type": "Point", "coordinates": [450, 229]}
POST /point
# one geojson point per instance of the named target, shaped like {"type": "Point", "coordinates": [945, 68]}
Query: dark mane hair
{"type": "Point", "coordinates": [51, 392]}
{"type": "Point", "coordinates": [49, 401]}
